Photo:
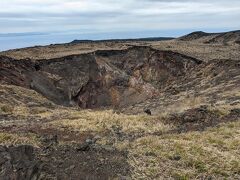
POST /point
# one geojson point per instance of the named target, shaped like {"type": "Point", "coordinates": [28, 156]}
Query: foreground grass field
{"type": "Point", "coordinates": [154, 147]}
{"type": "Point", "coordinates": [195, 155]}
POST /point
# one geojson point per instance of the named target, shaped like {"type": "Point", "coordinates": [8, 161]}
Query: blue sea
{"type": "Point", "coordinates": [13, 41]}
{"type": "Point", "coordinates": [29, 39]}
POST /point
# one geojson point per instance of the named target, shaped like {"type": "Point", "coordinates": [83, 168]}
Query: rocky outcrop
{"type": "Point", "coordinates": [107, 78]}
{"type": "Point", "coordinates": [19, 163]}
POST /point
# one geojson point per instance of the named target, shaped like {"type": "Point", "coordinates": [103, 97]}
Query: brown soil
{"type": "Point", "coordinates": [61, 163]}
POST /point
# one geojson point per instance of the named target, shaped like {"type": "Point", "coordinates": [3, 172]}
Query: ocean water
{"type": "Point", "coordinates": [13, 42]}
{"type": "Point", "coordinates": [21, 40]}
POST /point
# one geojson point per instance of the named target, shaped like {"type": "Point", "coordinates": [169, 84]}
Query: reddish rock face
{"type": "Point", "coordinates": [115, 78]}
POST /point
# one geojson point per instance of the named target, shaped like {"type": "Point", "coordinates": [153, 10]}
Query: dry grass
{"type": "Point", "coordinates": [15, 95]}
{"type": "Point", "coordinates": [23, 102]}
{"type": "Point", "coordinates": [201, 51]}
{"type": "Point", "coordinates": [153, 153]}
{"type": "Point", "coordinates": [102, 121]}
{"type": "Point", "coordinates": [183, 103]}
{"type": "Point", "coordinates": [8, 139]}
{"type": "Point", "coordinates": [195, 49]}
{"type": "Point", "coordinates": [56, 51]}
{"type": "Point", "coordinates": [6, 108]}
{"type": "Point", "coordinates": [195, 155]}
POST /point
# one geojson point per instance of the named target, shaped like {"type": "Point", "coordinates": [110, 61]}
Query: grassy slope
{"type": "Point", "coordinates": [154, 150]}
{"type": "Point", "coordinates": [197, 50]}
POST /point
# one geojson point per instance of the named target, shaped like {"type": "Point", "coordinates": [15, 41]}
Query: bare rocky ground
{"type": "Point", "coordinates": [81, 116]}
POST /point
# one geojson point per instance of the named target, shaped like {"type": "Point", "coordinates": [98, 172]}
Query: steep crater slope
{"type": "Point", "coordinates": [110, 78]}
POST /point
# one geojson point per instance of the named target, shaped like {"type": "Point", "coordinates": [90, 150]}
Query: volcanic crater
{"type": "Point", "coordinates": [104, 78]}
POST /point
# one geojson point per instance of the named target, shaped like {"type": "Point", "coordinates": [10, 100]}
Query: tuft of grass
{"type": "Point", "coordinates": [6, 109]}
{"type": "Point", "coordinates": [18, 139]}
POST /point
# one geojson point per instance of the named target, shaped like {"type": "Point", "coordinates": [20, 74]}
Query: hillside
{"type": "Point", "coordinates": [122, 110]}
{"type": "Point", "coordinates": [232, 37]}
{"type": "Point", "coordinates": [195, 36]}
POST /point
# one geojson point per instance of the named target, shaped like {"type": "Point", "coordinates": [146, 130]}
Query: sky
{"type": "Point", "coordinates": [40, 22]}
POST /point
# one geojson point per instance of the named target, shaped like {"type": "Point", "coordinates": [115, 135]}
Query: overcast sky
{"type": "Point", "coordinates": [117, 18]}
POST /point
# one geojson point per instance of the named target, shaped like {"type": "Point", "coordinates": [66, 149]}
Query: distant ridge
{"type": "Point", "coordinates": [231, 37]}
{"type": "Point", "coordinates": [124, 40]}
{"type": "Point", "coordinates": [195, 35]}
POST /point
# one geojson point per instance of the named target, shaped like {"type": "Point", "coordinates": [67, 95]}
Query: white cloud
{"type": "Point", "coordinates": [112, 15]}
{"type": "Point", "coordinates": [165, 8]}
